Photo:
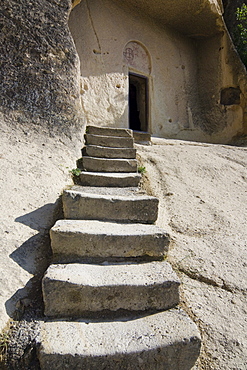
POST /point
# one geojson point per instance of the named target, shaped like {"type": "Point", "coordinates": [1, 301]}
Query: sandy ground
{"type": "Point", "coordinates": [202, 191]}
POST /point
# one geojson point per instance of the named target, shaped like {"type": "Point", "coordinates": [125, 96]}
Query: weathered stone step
{"type": "Point", "coordinates": [141, 137]}
{"type": "Point", "coordinates": [109, 131]}
{"type": "Point", "coordinates": [88, 203]}
{"type": "Point", "coordinates": [105, 152]}
{"type": "Point", "coordinates": [73, 290]}
{"type": "Point", "coordinates": [164, 341]}
{"type": "Point", "coordinates": [75, 240]}
{"type": "Point", "coordinates": [107, 165]}
{"type": "Point", "coordinates": [109, 179]}
{"type": "Point", "coordinates": [109, 141]}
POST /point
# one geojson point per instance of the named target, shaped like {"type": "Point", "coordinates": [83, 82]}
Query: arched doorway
{"type": "Point", "coordinates": [138, 102]}
{"type": "Point", "coordinates": [139, 68]}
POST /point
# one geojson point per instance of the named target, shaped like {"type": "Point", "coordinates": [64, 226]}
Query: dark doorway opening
{"type": "Point", "coordinates": [138, 102]}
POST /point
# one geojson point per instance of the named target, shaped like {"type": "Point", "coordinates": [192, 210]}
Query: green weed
{"type": "Point", "coordinates": [75, 172]}
{"type": "Point", "coordinates": [142, 169]}
{"type": "Point", "coordinates": [4, 341]}
{"type": "Point", "coordinates": [240, 32]}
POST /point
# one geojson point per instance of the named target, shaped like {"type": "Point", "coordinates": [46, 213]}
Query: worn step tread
{"type": "Point", "coordinates": [73, 240]}
{"type": "Point", "coordinates": [117, 204]}
{"type": "Point", "coordinates": [106, 152]}
{"type": "Point", "coordinates": [142, 137]}
{"type": "Point", "coordinates": [126, 192]}
{"type": "Point", "coordinates": [109, 179]}
{"type": "Point", "coordinates": [109, 131]}
{"type": "Point", "coordinates": [167, 340]}
{"type": "Point", "coordinates": [72, 290]}
{"type": "Point", "coordinates": [107, 164]}
{"type": "Point", "coordinates": [109, 141]}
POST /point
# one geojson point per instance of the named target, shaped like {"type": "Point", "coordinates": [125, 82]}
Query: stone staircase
{"type": "Point", "coordinates": [110, 298]}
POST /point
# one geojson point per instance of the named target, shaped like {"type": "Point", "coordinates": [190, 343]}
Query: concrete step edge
{"type": "Point", "coordinates": [109, 141]}
{"type": "Point", "coordinates": [72, 290]}
{"type": "Point", "coordinates": [77, 240]}
{"type": "Point", "coordinates": [107, 164]}
{"type": "Point", "coordinates": [120, 175]}
{"type": "Point", "coordinates": [108, 152]}
{"type": "Point", "coordinates": [131, 208]}
{"type": "Point", "coordinates": [110, 131]}
{"type": "Point", "coordinates": [166, 340]}
{"type": "Point", "coordinates": [108, 179]}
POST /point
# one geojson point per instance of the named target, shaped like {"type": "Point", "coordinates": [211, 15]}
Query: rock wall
{"type": "Point", "coordinates": [102, 31]}
{"type": "Point", "coordinates": [41, 127]}
{"type": "Point", "coordinates": [220, 70]}
{"type": "Point", "coordinates": [39, 74]}
{"type": "Point", "coordinates": [190, 67]}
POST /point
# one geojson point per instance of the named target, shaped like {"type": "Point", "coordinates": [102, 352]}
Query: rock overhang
{"type": "Point", "coordinates": [194, 18]}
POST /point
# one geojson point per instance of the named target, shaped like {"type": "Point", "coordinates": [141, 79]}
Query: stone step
{"type": "Point", "coordinates": [74, 290]}
{"type": "Point", "coordinates": [166, 340]}
{"type": "Point", "coordinates": [109, 131]}
{"type": "Point", "coordinates": [141, 137]}
{"type": "Point", "coordinates": [88, 203]}
{"type": "Point", "coordinates": [109, 141]}
{"type": "Point", "coordinates": [75, 240]}
{"type": "Point", "coordinates": [109, 179]}
{"type": "Point", "coordinates": [107, 165]}
{"type": "Point", "coordinates": [105, 152]}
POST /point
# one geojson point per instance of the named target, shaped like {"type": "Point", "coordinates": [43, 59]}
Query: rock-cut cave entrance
{"type": "Point", "coordinates": [138, 102]}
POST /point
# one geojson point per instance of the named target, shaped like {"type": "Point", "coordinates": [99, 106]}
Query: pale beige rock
{"type": "Point", "coordinates": [221, 317]}
{"type": "Point", "coordinates": [75, 290]}
{"type": "Point", "coordinates": [33, 170]}
{"type": "Point", "coordinates": [191, 18]}
{"type": "Point", "coordinates": [202, 192]}
{"type": "Point", "coordinates": [149, 342]}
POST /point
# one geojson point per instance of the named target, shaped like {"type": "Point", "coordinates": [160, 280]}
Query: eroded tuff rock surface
{"type": "Point", "coordinates": [34, 168]}
{"type": "Point", "coordinates": [202, 192]}
{"type": "Point", "coordinates": [39, 66]}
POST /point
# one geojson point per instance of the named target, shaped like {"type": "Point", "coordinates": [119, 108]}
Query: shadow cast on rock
{"type": "Point", "coordinates": [27, 302]}
{"type": "Point", "coordinates": [25, 307]}
{"type": "Point", "coordinates": [34, 254]}
{"type": "Point", "coordinates": [43, 217]}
